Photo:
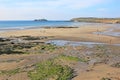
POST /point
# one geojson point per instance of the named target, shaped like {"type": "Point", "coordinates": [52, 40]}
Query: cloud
{"type": "Point", "coordinates": [102, 9]}
{"type": "Point", "coordinates": [29, 9]}
{"type": "Point", "coordinates": [78, 4]}
{"type": "Point", "coordinates": [51, 3]}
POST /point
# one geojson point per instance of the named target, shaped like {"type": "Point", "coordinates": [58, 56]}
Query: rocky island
{"type": "Point", "coordinates": [40, 20]}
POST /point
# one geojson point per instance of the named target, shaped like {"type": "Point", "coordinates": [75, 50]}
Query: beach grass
{"type": "Point", "coordinates": [71, 58]}
{"type": "Point", "coordinates": [48, 70]}
{"type": "Point", "coordinates": [48, 47]}
{"type": "Point", "coordinates": [10, 72]}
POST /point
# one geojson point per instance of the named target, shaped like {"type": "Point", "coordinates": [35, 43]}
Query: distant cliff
{"type": "Point", "coordinates": [40, 20]}
{"type": "Point", "coordinates": [97, 20]}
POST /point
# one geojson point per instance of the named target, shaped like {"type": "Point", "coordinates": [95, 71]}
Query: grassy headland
{"type": "Point", "coordinates": [97, 20]}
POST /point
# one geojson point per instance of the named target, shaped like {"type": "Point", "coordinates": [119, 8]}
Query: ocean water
{"type": "Point", "coordinates": [33, 24]}
{"type": "Point", "coordinates": [15, 25]}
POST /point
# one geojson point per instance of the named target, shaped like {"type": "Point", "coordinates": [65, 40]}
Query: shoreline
{"type": "Point", "coordinates": [84, 33]}
{"type": "Point", "coordinates": [44, 27]}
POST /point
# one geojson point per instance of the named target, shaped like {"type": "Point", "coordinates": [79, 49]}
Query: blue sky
{"type": "Point", "coordinates": [57, 9]}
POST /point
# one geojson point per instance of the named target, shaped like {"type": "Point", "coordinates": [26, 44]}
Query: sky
{"type": "Point", "coordinates": [57, 9]}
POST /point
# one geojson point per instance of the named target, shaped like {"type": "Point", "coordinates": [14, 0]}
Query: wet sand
{"type": "Point", "coordinates": [73, 34]}
{"type": "Point", "coordinates": [86, 34]}
{"type": "Point", "coordinates": [98, 72]}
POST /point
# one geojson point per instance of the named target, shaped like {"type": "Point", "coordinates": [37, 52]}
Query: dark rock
{"type": "Point", "coordinates": [40, 20]}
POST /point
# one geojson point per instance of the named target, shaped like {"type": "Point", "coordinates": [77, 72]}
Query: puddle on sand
{"type": "Point", "coordinates": [110, 32]}
{"type": "Point", "coordinates": [74, 43]}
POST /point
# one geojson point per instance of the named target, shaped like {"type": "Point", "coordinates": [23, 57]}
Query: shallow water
{"type": "Point", "coordinates": [74, 43]}
{"type": "Point", "coordinates": [111, 31]}
{"type": "Point", "coordinates": [4, 25]}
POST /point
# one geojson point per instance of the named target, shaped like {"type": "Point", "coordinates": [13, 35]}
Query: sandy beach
{"type": "Point", "coordinates": [59, 40]}
{"type": "Point", "coordinates": [72, 34]}
{"type": "Point", "coordinates": [23, 49]}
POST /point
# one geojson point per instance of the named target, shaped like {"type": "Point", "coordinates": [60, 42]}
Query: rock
{"type": "Point", "coordinates": [15, 41]}
{"type": "Point", "coordinates": [40, 20]}
{"type": "Point", "coordinates": [4, 39]}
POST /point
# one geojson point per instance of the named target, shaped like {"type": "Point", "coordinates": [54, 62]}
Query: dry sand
{"type": "Point", "coordinates": [98, 72]}
{"type": "Point", "coordinates": [76, 34]}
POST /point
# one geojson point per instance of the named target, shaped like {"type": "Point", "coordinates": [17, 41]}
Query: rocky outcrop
{"type": "Point", "coordinates": [40, 20]}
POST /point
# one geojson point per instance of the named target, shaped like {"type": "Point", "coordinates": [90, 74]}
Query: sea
{"type": "Point", "coordinates": [34, 24]}
{"type": "Point", "coordinates": [15, 25]}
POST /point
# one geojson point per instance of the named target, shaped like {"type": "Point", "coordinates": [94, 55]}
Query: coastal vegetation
{"type": "Point", "coordinates": [96, 20]}
{"type": "Point", "coordinates": [71, 58]}
{"type": "Point", "coordinates": [105, 79]}
{"type": "Point", "coordinates": [25, 44]}
{"type": "Point", "coordinates": [10, 72]}
{"type": "Point", "coordinates": [48, 70]}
